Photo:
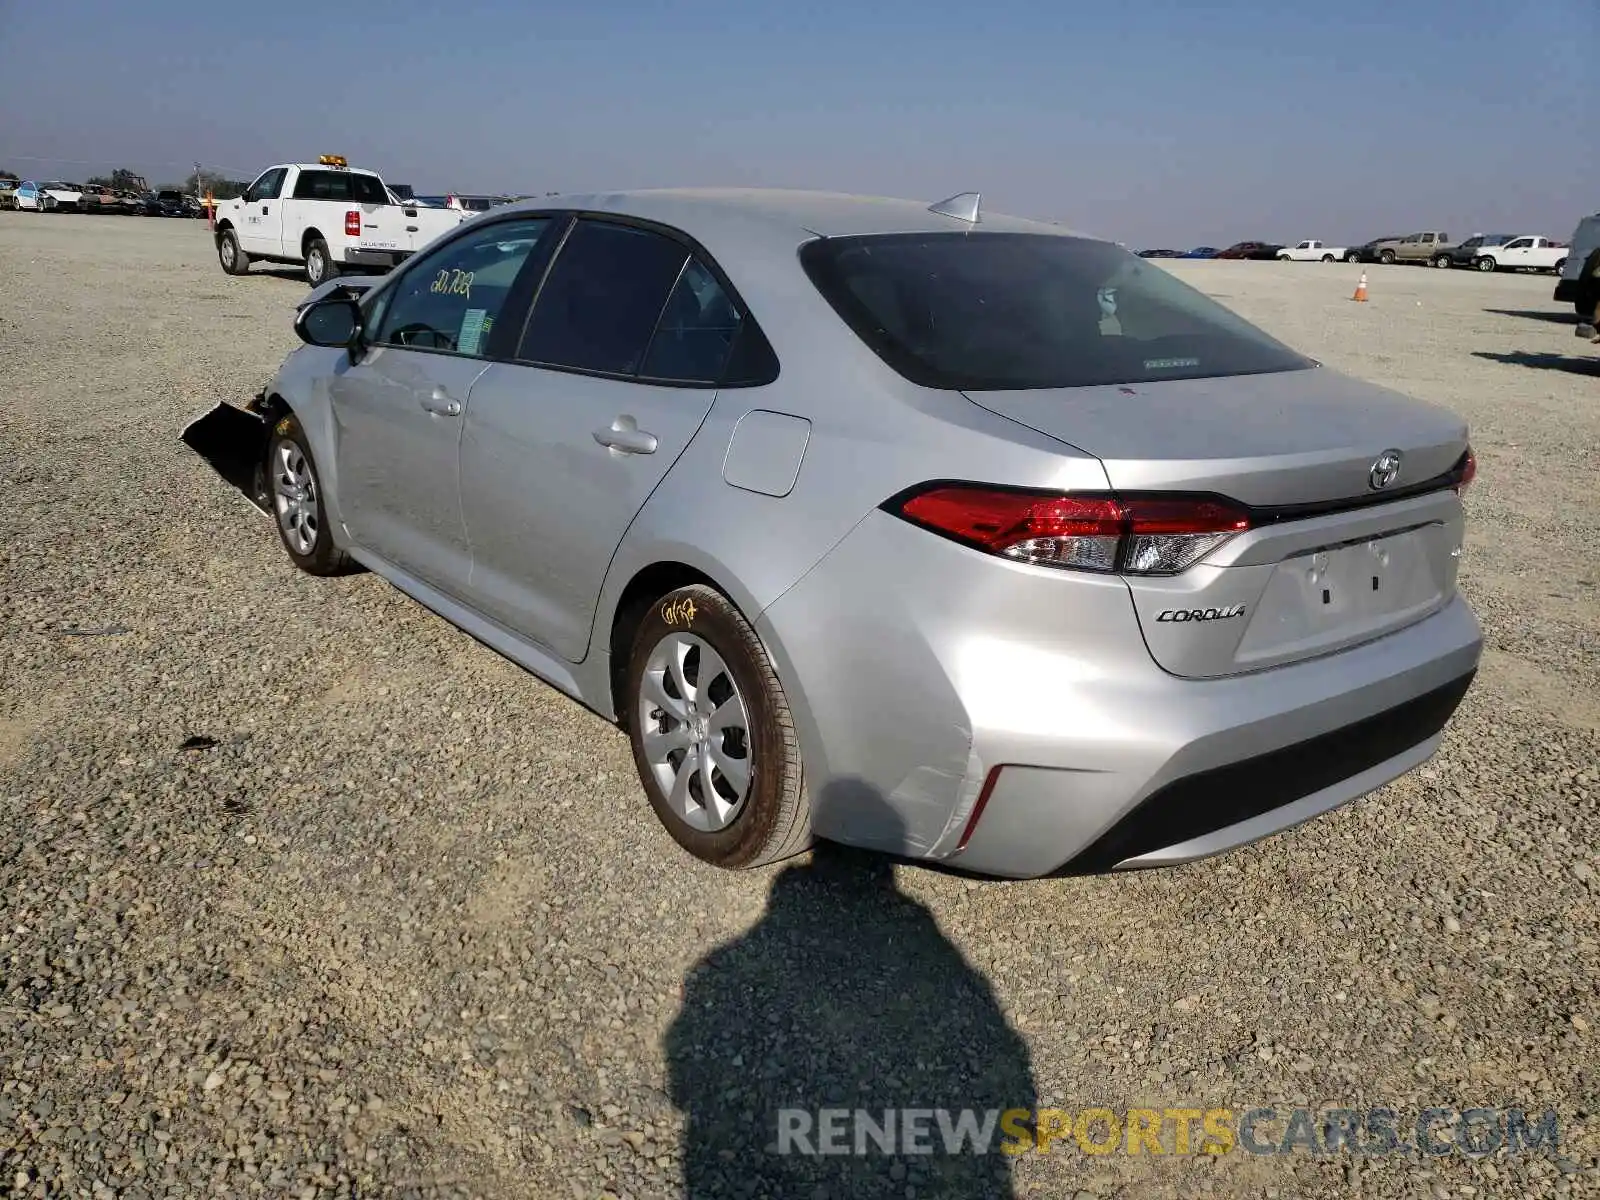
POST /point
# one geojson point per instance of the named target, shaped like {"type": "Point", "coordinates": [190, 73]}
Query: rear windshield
{"type": "Point", "coordinates": [344, 186]}
{"type": "Point", "coordinates": [1004, 311]}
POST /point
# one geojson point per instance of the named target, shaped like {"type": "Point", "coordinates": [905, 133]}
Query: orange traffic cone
{"type": "Point", "coordinates": [1361, 288]}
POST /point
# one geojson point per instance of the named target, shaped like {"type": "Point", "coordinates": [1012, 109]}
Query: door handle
{"type": "Point", "coordinates": [625, 437]}
{"type": "Point", "coordinates": [440, 404]}
{"type": "Point", "coordinates": [264, 210]}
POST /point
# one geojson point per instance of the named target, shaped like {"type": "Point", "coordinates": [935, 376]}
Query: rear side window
{"type": "Point", "coordinates": [602, 299]}
{"type": "Point", "coordinates": [696, 331]}
{"type": "Point", "coordinates": [1002, 311]}
{"type": "Point", "coordinates": [345, 186]}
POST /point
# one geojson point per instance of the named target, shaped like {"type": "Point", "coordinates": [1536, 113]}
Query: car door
{"type": "Point", "coordinates": [260, 228]}
{"type": "Point", "coordinates": [1514, 253]}
{"type": "Point", "coordinates": [618, 367]}
{"type": "Point", "coordinates": [398, 410]}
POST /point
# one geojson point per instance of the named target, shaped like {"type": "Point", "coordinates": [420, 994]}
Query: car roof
{"type": "Point", "coordinates": [792, 215]}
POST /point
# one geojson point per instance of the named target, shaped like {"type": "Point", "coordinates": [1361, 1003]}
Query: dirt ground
{"type": "Point", "coordinates": [408, 928]}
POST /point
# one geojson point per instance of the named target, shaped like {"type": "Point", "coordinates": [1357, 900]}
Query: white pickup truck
{"type": "Point", "coordinates": [1313, 251]}
{"type": "Point", "coordinates": [1525, 253]}
{"type": "Point", "coordinates": [326, 217]}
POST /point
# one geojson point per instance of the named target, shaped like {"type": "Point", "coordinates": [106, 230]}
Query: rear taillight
{"type": "Point", "coordinates": [1134, 535]}
{"type": "Point", "coordinates": [352, 223]}
{"type": "Point", "coordinates": [1468, 472]}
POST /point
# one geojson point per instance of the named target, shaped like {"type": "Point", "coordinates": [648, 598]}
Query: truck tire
{"type": "Point", "coordinates": [320, 266]}
{"type": "Point", "coordinates": [1486, 263]}
{"type": "Point", "coordinates": [229, 253]}
{"type": "Point", "coordinates": [1561, 265]}
{"type": "Point", "coordinates": [1441, 261]}
{"type": "Point", "coordinates": [1327, 258]}
{"type": "Point", "coordinates": [1387, 258]}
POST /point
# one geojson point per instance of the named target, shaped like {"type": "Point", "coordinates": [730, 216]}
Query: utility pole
{"type": "Point", "coordinates": [197, 181]}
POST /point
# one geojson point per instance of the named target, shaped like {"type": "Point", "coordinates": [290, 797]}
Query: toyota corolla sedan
{"type": "Point", "coordinates": [941, 533]}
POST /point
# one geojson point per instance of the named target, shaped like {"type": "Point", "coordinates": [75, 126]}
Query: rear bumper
{"type": "Point", "coordinates": [1570, 291]}
{"type": "Point", "coordinates": [382, 259]}
{"type": "Point", "coordinates": [930, 683]}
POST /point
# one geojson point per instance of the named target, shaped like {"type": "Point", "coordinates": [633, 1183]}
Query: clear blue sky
{"type": "Point", "coordinates": [1155, 122]}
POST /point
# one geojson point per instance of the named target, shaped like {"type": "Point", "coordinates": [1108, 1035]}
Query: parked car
{"type": "Point", "coordinates": [1579, 284]}
{"type": "Point", "coordinates": [1312, 251]}
{"type": "Point", "coordinates": [168, 202]}
{"type": "Point", "coordinates": [325, 216]}
{"type": "Point", "coordinates": [1427, 247]}
{"type": "Point", "coordinates": [58, 197]}
{"type": "Point", "coordinates": [1201, 252]}
{"type": "Point", "coordinates": [1368, 252]}
{"type": "Point", "coordinates": [8, 192]}
{"type": "Point", "coordinates": [101, 200]}
{"type": "Point", "coordinates": [1462, 255]}
{"type": "Point", "coordinates": [1005, 570]}
{"type": "Point", "coordinates": [1262, 251]}
{"type": "Point", "coordinates": [1160, 254]}
{"type": "Point", "coordinates": [1525, 252]}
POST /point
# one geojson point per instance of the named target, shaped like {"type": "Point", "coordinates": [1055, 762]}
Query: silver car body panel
{"type": "Point", "coordinates": [913, 665]}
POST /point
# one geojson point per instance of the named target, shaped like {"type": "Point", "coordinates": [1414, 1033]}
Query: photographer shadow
{"type": "Point", "coordinates": [845, 996]}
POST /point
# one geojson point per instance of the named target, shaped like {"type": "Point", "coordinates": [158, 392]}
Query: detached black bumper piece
{"type": "Point", "coordinates": [234, 442]}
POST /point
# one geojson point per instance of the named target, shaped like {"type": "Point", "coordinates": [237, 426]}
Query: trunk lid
{"type": "Point", "coordinates": [1327, 563]}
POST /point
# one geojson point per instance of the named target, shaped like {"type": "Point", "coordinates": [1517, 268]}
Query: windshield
{"type": "Point", "coordinates": [1002, 311]}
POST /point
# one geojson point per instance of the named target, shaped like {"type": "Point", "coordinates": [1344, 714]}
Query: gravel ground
{"type": "Point", "coordinates": [403, 925]}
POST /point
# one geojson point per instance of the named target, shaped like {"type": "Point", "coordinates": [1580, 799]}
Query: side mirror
{"type": "Point", "coordinates": [334, 322]}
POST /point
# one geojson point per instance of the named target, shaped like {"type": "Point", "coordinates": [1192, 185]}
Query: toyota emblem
{"type": "Point", "coordinates": [1385, 471]}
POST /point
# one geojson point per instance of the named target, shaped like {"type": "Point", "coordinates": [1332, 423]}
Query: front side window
{"type": "Point", "coordinates": [1003, 311]}
{"type": "Point", "coordinates": [602, 299]}
{"type": "Point", "coordinates": [449, 300]}
{"type": "Point", "coordinates": [267, 187]}
{"type": "Point", "coordinates": [1519, 244]}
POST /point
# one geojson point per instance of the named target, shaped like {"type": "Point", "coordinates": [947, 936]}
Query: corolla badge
{"type": "Point", "coordinates": [1385, 471]}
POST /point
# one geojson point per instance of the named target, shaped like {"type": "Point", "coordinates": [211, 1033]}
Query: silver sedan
{"type": "Point", "coordinates": [911, 526]}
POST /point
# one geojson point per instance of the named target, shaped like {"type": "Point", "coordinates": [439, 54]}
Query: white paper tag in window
{"type": "Point", "coordinates": [471, 330]}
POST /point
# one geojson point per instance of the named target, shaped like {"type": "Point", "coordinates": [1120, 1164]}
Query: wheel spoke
{"type": "Point", "coordinates": [718, 808]}
{"type": "Point", "coordinates": [729, 714]}
{"type": "Point", "coordinates": [655, 694]}
{"type": "Point", "coordinates": [658, 745]}
{"type": "Point", "coordinates": [677, 651]}
{"type": "Point", "coordinates": [680, 799]}
{"type": "Point", "coordinates": [711, 666]}
{"type": "Point", "coordinates": [735, 770]}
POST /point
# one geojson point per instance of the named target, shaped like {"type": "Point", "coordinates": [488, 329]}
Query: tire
{"type": "Point", "coordinates": [294, 492]}
{"type": "Point", "coordinates": [320, 266]}
{"type": "Point", "coordinates": [1561, 265]}
{"type": "Point", "coordinates": [233, 259]}
{"type": "Point", "coordinates": [1327, 258]}
{"type": "Point", "coordinates": [1442, 262]}
{"type": "Point", "coordinates": [1486, 263]}
{"type": "Point", "coordinates": [770, 818]}
{"type": "Point", "coordinates": [1387, 258]}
